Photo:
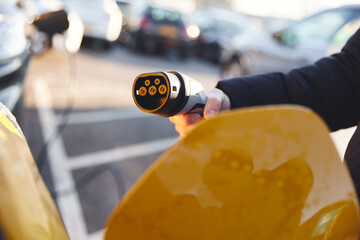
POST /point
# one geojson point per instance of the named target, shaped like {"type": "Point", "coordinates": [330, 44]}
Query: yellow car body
{"type": "Point", "coordinates": [27, 210]}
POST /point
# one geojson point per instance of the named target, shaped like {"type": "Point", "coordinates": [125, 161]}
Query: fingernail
{"type": "Point", "coordinates": [211, 113]}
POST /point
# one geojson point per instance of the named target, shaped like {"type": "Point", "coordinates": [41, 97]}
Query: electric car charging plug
{"type": "Point", "coordinates": [168, 93]}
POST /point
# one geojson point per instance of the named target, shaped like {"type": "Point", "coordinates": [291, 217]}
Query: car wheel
{"type": "Point", "coordinates": [212, 53]}
{"type": "Point", "coordinates": [233, 69]}
{"type": "Point", "coordinates": [183, 55]}
{"type": "Point", "coordinates": [133, 42]}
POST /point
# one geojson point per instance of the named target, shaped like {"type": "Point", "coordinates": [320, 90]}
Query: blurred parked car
{"type": "Point", "coordinates": [47, 18]}
{"type": "Point", "coordinates": [102, 20]}
{"type": "Point", "coordinates": [155, 29]}
{"type": "Point", "coordinates": [18, 31]}
{"type": "Point", "coordinates": [217, 28]}
{"type": "Point", "coordinates": [124, 5]}
{"type": "Point", "coordinates": [14, 55]}
{"type": "Point", "coordinates": [300, 44]}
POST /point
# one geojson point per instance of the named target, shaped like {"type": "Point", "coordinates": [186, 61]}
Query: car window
{"type": "Point", "coordinates": [201, 19]}
{"type": "Point", "coordinates": [228, 27]}
{"type": "Point", "coordinates": [319, 28]}
{"type": "Point", "coordinates": [346, 32]}
{"type": "Point", "coordinates": [229, 22]}
{"type": "Point", "coordinates": [164, 16]}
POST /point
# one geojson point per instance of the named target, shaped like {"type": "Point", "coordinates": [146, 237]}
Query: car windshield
{"type": "Point", "coordinates": [320, 27]}
{"type": "Point", "coordinates": [229, 23]}
{"type": "Point", "coordinates": [164, 16]}
{"type": "Point", "coordinates": [229, 28]}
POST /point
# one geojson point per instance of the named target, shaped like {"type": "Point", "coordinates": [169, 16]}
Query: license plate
{"type": "Point", "coordinates": [168, 31]}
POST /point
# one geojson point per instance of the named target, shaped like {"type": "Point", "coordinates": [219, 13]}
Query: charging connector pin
{"type": "Point", "coordinates": [142, 91]}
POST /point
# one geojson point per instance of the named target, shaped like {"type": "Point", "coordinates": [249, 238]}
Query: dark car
{"type": "Point", "coordinates": [14, 55]}
{"type": "Point", "coordinates": [217, 27]}
{"type": "Point", "coordinates": [301, 43]}
{"type": "Point", "coordinates": [155, 29]}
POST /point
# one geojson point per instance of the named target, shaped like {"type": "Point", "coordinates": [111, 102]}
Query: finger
{"type": "Point", "coordinates": [183, 123]}
{"type": "Point", "coordinates": [217, 101]}
{"type": "Point", "coordinates": [183, 130]}
{"type": "Point", "coordinates": [179, 129]}
{"type": "Point", "coordinates": [173, 119]}
{"type": "Point", "coordinates": [185, 119]}
{"type": "Point", "coordinates": [213, 104]}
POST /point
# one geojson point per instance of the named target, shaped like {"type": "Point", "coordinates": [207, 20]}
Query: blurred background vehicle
{"type": "Point", "coordinates": [303, 42]}
{"type": "Point", "coordinates": [27, 28]}
{"type": "Point", "coordinates": [14, 55]}
{"type": "Point", "coordinates": [48, 17]}
{"type": "Point", "coordinates": [156, 29]}
{"type": "Point", "coordinates": [217, 27]}
{"type": "Point", "coordinates": [124, 5]}
{"type": "Point", "coordinates": [102, 20]}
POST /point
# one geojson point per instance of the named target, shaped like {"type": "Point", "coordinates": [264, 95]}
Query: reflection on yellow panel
{"type": "Point", "coordinates": [27, 210]}
{"type": "Point", "coordinates": [258, 173]}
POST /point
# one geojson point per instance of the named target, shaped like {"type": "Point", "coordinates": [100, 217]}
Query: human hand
{"type": "Point", "coordinates": [217, 101]}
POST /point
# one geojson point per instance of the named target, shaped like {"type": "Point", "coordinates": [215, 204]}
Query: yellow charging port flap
{"type": "Point", "coordinates": [266, 173]}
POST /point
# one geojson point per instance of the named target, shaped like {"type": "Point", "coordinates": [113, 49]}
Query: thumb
{"type": "Point", "coordinates": [215, 102]}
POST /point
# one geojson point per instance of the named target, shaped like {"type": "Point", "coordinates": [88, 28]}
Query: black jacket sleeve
{"type": "Point", "coordinates": [331, 87]}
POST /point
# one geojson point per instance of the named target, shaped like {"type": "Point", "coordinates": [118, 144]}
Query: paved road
{"type": "Point", "coordinates": [90, 156]}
